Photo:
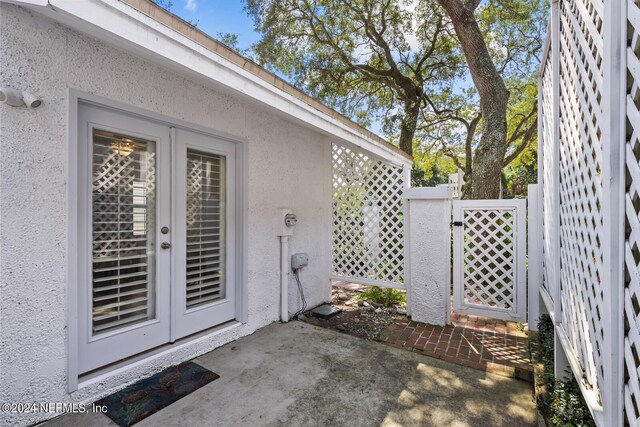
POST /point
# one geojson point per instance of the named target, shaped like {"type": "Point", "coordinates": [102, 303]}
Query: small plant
{"type": "Point", "coordinates": [544, 355]}
{"type": "Point", "coordinates": [561, 402]}
{"type": "Point", "coordinates": [386, 296]}
{"type": "Point", "coordinates": [567, 404]}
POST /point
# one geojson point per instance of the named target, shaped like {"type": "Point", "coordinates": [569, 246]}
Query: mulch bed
{"type": "Point", "coordinates": [367, 320]}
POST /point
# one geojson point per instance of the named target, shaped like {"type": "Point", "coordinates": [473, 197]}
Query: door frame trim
{"type": "Point", "coordinates": [75, 98]}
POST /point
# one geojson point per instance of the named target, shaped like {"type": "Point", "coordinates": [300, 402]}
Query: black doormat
{"type": "Point", "coordinates": [145, 397]}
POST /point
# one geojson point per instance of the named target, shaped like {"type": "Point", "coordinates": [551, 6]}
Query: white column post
{"type": "Point", "coordinates": [429, 249]}
{"type": "Point", "coordinates": [613, 208]}
{"type": "Point", "coordinates": [561, 363]}
{"type": "Point", "coordinates": [560, 360]}
{"type": "Point", "coordinates": [535, 264]}
{"type": "Point", "coordinates": [406, 174]}
{"type": "Point", "coordinates": [542, 308]}
{"type": "Point", "coordinates": [555, 163]}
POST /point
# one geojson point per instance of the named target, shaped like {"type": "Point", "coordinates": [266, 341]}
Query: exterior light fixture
{"type": "Point", "coordinates": [15, 98]}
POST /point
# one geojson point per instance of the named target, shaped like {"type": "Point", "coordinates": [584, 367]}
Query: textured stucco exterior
{"type": "Point", "coordinates": [288, 166]}
{"type": "Point", "coordinates": [429, 254]}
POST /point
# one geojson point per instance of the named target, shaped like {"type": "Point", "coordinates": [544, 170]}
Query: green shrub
{"type": "Point", "coordinates": [546, 339]}
{"type": "Point", "coordinates": [544, 355]}
{"type": "Point", "coordinates": [561, 402]}
{"type": "Point", "coordinates": [384, 296]}
{"type": "Point", "coordinates": [568, 407]}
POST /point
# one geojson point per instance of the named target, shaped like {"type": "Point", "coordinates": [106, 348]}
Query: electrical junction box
{"type": "Point", "coordinates": [326, 311]}
{"type": "Point", "coordinates": [299, 260]}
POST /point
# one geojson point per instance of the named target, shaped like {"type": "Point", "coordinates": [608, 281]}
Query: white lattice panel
{"type": "Point", "coordinates": [632, 205]}
{"type": "Point", "coordinates": [547, 153]}
{"type": "Point", "coordinates": [580, 186]}
{"type": "Point", "coordinates": [455, 184]}
{"type": "Point", "coordinates": [368, 241]}
{"type": "Point", "coordinates": [489, 251]}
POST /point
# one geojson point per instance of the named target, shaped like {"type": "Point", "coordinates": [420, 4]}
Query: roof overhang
{"type": "Point", "coordinates": [190, 53]}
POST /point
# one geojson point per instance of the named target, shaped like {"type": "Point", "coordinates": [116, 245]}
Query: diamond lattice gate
{"type": "Point", "coordinates": [489, 258]}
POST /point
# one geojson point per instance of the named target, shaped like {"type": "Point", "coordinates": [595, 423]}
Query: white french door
{"type": "Point", "coordinates": [157, 234]}
{"type": "Point", "coordinates": [204, 232]}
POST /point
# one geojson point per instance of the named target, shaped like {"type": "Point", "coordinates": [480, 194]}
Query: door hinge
{"type": "Point", "coordinates": [457, 223]}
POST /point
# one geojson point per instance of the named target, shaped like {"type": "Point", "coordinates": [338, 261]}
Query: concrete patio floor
{"type": "Point", "coordinates": [297, 374]}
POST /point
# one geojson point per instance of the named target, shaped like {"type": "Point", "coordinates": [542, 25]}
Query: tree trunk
{"type": "Point", "coordinates": [489, 156]}
{"type": "Point", "coordinates": [494, 97]}
{"type": "Point", "coordinates": [468, 156]}
{"type": "Point", "coordinates": [408, 126]}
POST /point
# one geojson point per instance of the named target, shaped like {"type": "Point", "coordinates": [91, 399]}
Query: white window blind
{"type": "Point", "coordinates": [123, 211]}
{"type": "Point", "coordinates": [206, 206]}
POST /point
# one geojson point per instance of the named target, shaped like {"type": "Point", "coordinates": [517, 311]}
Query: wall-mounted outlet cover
{"type": "Point", "coordinates": [299, 260]}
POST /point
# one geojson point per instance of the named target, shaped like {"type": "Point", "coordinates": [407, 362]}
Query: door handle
{"type": "Point", "coordinates": [165, 245]}
{"type": "Point", "coordinates": [457, 223]}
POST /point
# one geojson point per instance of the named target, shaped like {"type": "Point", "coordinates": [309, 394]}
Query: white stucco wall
{"type": "Point", "coordinates": [288, 166]}
{"type": "Point", "coordinates": [429, 254]}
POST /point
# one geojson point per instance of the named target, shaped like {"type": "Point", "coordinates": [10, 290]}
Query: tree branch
{"type": "Point", "coordinates": [468, 145]}
{"type": "Point", "coordinates": [447, 151]}
{"type": "Point", "coordinates": [526, 139]}
{"type": "Point", "coordinates": [518, 132]}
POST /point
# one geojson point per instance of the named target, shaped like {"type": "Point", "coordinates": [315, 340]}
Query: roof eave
{"type": "Point", "coordinates": [149, 31]}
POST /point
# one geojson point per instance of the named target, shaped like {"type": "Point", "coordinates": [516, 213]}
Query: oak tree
{"type": "Point", "coordinates": [515, 29]}
{"type": "Point", "coordinates": [362, 57]}
{"type": "Point", "coordinates": [405, 66]}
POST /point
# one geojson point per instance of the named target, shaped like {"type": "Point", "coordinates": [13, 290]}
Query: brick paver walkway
{"type": "Point", "coordinates": [486, 344]}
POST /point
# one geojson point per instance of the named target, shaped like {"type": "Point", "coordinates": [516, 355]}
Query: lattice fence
{"type": "Point", "coordinates": [632, 205]}
{"type": "Point", "coordinates": [581, 182]}
{"type": "Point", "coordinates": [456, 182]}
{"type": "Point", "coordinates": [580, 89]}
{"type": "Point", "coordinates": [546, 177]}
{"type": "Point", "coordinates": [368, 237]}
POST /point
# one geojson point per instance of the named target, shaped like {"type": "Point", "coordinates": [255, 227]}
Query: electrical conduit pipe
{"type": "Point", "coordinates": [284, 278]}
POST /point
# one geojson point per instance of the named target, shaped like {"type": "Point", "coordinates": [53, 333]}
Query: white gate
{"type": "Point", "coordinates": [489, 258]}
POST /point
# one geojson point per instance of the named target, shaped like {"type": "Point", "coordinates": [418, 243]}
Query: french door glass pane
{"type": "Point", "coordinates": [206, 202]}
{"type": "Point", "coordinates": [123, 211]}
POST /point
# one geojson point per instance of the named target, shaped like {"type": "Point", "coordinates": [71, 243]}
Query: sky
{"type": "Point", "coordinates": [218, 16]}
